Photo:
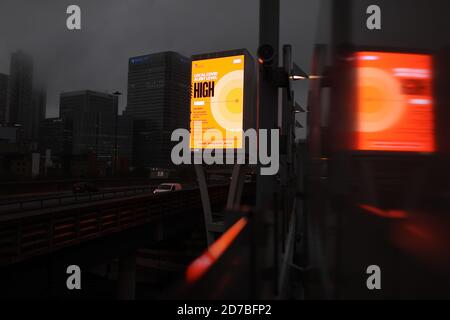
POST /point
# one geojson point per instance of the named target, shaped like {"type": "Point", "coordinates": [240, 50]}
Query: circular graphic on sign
{"type": "Point", "coordinates": [227, 103]}
{"type": "Point", "coordinates": [381, 103]}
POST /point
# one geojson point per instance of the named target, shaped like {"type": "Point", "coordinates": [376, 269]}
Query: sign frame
{"type": "Point", "coordinates": [249, 95]}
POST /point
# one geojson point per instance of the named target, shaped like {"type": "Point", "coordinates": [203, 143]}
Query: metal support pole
{"type": "Point", "coordinates": [269, 26]}
{"type": "Point", "coordinates": [287, 258]}
{"type": "Point", "coordinates": [236, 186]}
{"type": "Point", "coordinates": [287, 120]}
{"type": "Point", "coordinates": [115, 146]}
{"type": "Point", "coordinates": [205, 201]}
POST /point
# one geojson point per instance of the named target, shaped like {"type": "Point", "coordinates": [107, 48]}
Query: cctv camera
{"type": "Point", "coordinates": [265, 54]}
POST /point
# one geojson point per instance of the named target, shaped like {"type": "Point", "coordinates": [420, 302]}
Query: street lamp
{"type": "Point", "coordinates": [297, 73]}
{"type": "Point", "coordinates": [115, 156]}
{"type": "Point", "coordinates": [298, 108]}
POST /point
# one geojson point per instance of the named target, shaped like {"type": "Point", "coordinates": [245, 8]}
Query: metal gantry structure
{"type": "Point", "coordinates": [267, 238]}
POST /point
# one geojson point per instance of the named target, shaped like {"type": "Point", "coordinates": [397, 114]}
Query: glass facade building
{"type": "Point", "coordinates": [93, 116]}
{"type": "Point", "coordinates": [158, 102]}
{"type": "Point", "coordinates": [20, 93]}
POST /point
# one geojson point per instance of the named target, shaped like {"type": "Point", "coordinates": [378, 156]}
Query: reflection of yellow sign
{"type": "Point", "coordinates": [217, 102]}
{"type": "Point", "coordinates": [395, 102]}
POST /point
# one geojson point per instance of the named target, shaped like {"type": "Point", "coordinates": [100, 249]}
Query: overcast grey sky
{"type": "Point", "coordinates": [113, 30]}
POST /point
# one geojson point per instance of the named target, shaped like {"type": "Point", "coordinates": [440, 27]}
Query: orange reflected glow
{"type": "Point", "coordinates": [425, 237]}
{"type": "Point", "coordinates": [395, 102]}
{"type": "Point", "coordinates": [200, 265]}
{"type": "Point", "coordinates": [391, 214]}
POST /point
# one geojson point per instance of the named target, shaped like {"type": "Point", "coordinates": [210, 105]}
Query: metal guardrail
{"type": "Point", "coordinates": [7, 207]}
{"type": "Point", "coordinates": [12, 188]}
{"type": "Point", "coordinates": [28, 234]}
{"type": "Point", "coordinates": [255, 256]}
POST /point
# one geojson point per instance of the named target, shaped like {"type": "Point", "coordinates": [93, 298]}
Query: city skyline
{"type": "Point", "coordinates": [107, 39]}
{"type": "Point", "coordinates": [206, 151]}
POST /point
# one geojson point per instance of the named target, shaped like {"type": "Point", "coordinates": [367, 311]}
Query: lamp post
{"type": "Point", "coordinates": [269, 29]}
{"type": "Point", "coordinates": [115, 155]}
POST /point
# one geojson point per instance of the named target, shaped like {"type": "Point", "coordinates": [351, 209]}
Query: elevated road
{"type": "Point", "coordinates": [57, 199]}
{"type": "Point", "coordinates": [28, 234]}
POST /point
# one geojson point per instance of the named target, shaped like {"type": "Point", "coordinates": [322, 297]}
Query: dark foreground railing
{"type": "Point", "coordinates": [28, 234]}
{"type": "Point", "coordinates": [251, 260]}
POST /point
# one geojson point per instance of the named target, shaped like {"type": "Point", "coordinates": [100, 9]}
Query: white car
{"type": "Point", "coordinates": [167, 187]}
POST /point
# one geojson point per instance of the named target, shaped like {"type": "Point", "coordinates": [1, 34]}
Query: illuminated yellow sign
{"type": "Point", "coordinates": [217, 103]}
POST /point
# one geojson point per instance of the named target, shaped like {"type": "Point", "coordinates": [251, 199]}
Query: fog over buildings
{"type": "Point", "coordinates": [96, 57]}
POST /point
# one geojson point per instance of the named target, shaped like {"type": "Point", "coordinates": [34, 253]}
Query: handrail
{"type": "Point", "coordinates": [20, 205]}
{"type": "Point", "coordinates": [201, 265]}
{"type": "Point", "coordinates": [28, 234]}
{"type": "Point", "coordinates": [257, 242]}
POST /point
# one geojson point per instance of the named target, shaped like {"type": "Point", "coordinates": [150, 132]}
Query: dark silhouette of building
{"type": "Point", "coordinates": [3, 97]}
{"type": "Point", "coordinates": [158, 101]}
{"type": "Point", "coordinates": [20, 94]}
{"type": "Point", "coordinates": [39, 105]}
{"type": "Point", "coordinates": [125, 137]}
{"type": "Point", "coordinates": [55, 144]}
{"type": "Point", "coordinates": [56, 136]}
{"type": "Point", "coordinates": [93, 117]}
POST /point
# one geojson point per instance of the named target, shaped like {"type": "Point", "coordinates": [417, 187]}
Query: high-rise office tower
{"type": "Point", "coordinates": [55, 135]}
{"type": "Point", "coordinates": [93, 118]}
{"type": "Point", "coordinates": [125, 137]}
{"type": "Point", "coordinates": [39, 105]}
{"type": "Point", "coordinates": [20, 93]}
{"type": "Point", "coordinates": [158, 101]}
{"type": "Point", "coordinates": [3, 97]}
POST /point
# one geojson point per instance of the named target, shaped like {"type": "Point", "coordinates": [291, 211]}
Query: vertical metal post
{"type": "Point", "coordinates": [269, 28]}
{"type": "Point", "coordinates": [233, 186]}
{"type": "Point", "coordinates": [236, 186]}
{"type": "Point", "coordinates": [97, 132]}
{"type": "Point", "coordinates": [205, 201]}
{"type": "Point", "coordinates": [115, 145]}
{"type": "Point", "coordinates": [117, 94]}
{"type": "Point", "coordinates": [286, 119]}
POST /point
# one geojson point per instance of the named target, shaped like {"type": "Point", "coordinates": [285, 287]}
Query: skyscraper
{"type": "Point", "coordinates": [20, 93]}
{"type": "Point", "coordinates": [92, 116]}
{"type": "Point", "coordinates": [55, 135]}
{"type": "Point", "coordinates": [158, 101]}
{"type": "Point", "coordinates": [125, 137]}
{"type": "Point", "coordinates": [3, 97]}
{"type": "Point", "coordinates": [39, 105]}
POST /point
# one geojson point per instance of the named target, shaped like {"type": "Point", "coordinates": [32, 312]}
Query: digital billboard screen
{"type": "Point", "coordinates": [217, 102]}
{"type": "Point", "coordinates": [394, 102]}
